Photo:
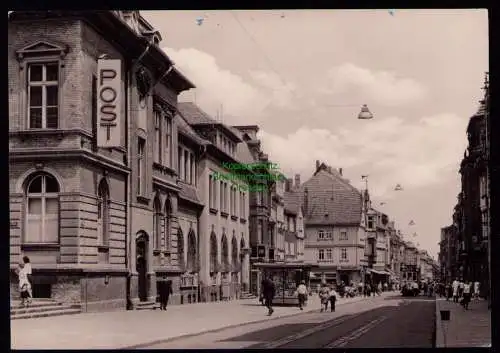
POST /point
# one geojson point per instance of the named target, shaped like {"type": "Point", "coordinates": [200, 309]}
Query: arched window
{"type": "Point", "coordinates": [42, 209]}
{"type": "Point", "coordinates": [168, 224]}
{"type": "Point", "coordinates": [103, 213]}
{"type": "Point", "coordinates": [225, 250]}
{"type": "Point", "coordinates": [157, 236]}
{"type": "Point", "coordinates": [180, 247]}
{"type": "Point", "coordinates": [234, 250]}
{"type": "Point", "coordinates": [213, 252]}
{"type": "Point", "coordinates": [191, 253]}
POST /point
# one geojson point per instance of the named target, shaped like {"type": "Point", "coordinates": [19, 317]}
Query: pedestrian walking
{"type": "Point", "coordinates": [454, 286]}
{"type": "Point", "coordinates": [324, 296]}
{"type": "Point", "coordinates": [165, 289]}
{"type": "Point", "coordinates": [24, 285]}
{"type": "Point", "coordinates": [379, 288]}
{"type": "Point", "coordinates": [466, 295]}
{"type": "Point", "coordinates": [461, 288]}
{"type": "Point", "coordinates": [333, 298]}
{"type": "Point", "coordinates": [302, 294]}
{"type": "Point", "coordinates": [476, 291]}
{"type": "Point", "coordinates": [29, 274]}
{"type": "Point", "coordinates": [268, 291]}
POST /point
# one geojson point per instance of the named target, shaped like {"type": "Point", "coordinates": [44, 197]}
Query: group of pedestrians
{"type": "Point", "coordinates": [327, 295]}
{"type": "Point", "coordinates": [24, 273]}
{"type": "Point", "coordinates": [462, 292]}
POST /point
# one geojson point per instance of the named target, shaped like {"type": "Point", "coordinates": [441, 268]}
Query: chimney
{"type": "Point", "coordinates": [317, 164]}
{"type": "Point", "coordinates": [288, 184]}
{"type": "Point", "coordinates": [297, 180]}
{"type": "Point", "coordinates": [306, 202]}
{"type": "Point", "coordinates": [329, 169]}
{"type": "Point", "coordinates": [340, 171]}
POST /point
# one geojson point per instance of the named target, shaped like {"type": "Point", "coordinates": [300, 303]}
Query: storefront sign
{"type": "Point", "coordinates": [108, 103]}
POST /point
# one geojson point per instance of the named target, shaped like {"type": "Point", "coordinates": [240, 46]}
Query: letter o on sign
{"type": "Point", "coordinates": [108, 94]}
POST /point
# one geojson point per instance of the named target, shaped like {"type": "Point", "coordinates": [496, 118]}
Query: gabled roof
{"type": "Point", "coordinates": [331, 199]}
{"type": "Point", "coordinates": [195, 116]}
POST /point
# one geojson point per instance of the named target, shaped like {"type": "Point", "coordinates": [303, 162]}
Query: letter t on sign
{"type": "Point", "coordinates": [109, 103]}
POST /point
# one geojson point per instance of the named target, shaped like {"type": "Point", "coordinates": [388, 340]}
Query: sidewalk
{"type": "Point", "coordinates": [466, 328]}
{"type": "Point", "coordinates": [122, 329]}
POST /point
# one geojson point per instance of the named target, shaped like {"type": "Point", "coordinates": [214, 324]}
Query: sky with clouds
{"type": "Point", "coordinates": [303, 76]}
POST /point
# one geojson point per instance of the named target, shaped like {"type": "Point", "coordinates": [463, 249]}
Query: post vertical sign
{"type": "Point", "coordinates": [108, 103]}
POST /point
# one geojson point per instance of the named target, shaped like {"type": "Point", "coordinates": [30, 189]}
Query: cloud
{"type": "Point", "coordinates": [240, 99]}
{"type": "Point", "coordinates": [382, 87]}
{"type": "Point", "coordinates": [391, 150]}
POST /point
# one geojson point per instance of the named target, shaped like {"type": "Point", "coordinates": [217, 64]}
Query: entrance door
{"type": "Point", "coordinates": [141, 267]}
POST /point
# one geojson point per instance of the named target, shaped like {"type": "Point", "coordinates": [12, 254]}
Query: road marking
{"type": "Point", "coordinates": [343, 341]}
{"type": "Point", "coordinates": [308, 332]}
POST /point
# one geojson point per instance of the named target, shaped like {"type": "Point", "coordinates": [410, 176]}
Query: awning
{"type": "Point", "coordinates": [378, 272]}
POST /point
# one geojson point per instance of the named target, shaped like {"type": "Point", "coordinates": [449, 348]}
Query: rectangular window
{"type": "Point", "coordinates": [157, 148]}
{"type": "Point", "coordinates": [329, 255]}
{"type": "Point", "coordinates": [321, 235]}
{"type": "Point", "coordinates": [260, 232]}
{"type": "Point", "coordinates": [321, 254]}
{"type": "Point", "coordinates": [43, 96]}
{"type": "Point", "coordinates": [141, 144]}
{"type": "Point", "coordinates": [221, 192]}
{"type": "Point", "coordinates": [191, 169]}
{"type": "Point", "coordinates": [186, 165]}
{"type": "Point", "coordinates": [371, 222]}
{"type": "Point", "coordinates": [343, 235]}
{"type": "Point", "coordinates": [179, 162]}
{"type": "Point", "coordinates": [328, 236]}
{"type": "Point", "coordinates": [210, 192]}
{"type": "Point", "coordinates": [167, 149]}
{"type": "Point", "coordinates": [343, 254]}
{"type": "Point", "coordinates": [243, 206]}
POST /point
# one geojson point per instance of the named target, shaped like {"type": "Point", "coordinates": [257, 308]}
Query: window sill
{"type": "Point", "coordinates": [213, 210]}
{"type": "Point", "coordinates": [36, 246]}
{"type": "Point", "coordinates": [243, 220]}
{"type": "Point", "coordinates": [234, 218]}
{"type": "Point", "coordinates": [143, 199]}
{"type": "Point", "coordinates": [224, 214]}
{"type": "Point", "coordinates": [164, 169]}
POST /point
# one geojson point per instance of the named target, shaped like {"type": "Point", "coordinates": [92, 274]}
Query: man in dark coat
{"type": "Point", "coordinates": [268, 291]}
{"type": "Point", "coordinates": [165, 289]}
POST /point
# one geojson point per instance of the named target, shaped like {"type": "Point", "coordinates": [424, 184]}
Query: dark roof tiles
{"type": "Point", "coordinates": [332, 200]}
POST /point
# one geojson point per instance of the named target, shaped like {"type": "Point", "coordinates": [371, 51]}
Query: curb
{"type": "Point", "coordinates": [188, 335]}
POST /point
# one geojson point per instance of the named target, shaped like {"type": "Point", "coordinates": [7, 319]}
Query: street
{"type": "Point", "coordinates": [381, 322]}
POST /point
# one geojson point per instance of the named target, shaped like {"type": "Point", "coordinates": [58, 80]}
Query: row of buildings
{"type": "Point", "coordinates": [115, 184]}
{"type": "Point", "coordinates": [464, 246]}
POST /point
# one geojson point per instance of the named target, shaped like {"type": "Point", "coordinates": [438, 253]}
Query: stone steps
{"type": "Point", "coordinates": [149, 305]}
{"type": "Point", "coordinates": [43, 309]}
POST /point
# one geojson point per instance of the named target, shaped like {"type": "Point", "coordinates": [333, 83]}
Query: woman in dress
{"type": "Point", "coordinates": [24, 286]}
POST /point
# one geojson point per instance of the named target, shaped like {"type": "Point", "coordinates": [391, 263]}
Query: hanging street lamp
{"type": "Point", "coordinates": [365, 113]}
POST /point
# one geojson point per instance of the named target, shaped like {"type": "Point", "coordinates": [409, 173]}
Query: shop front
{"type": "Point", "coordinates": [286, 278]}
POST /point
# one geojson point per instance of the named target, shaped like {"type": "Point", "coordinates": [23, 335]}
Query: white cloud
{"type": "Point", "coordinates": [382, 87]}
{"type": "Point", "coordinates": [240, 99]}
{"type": "Point", "coordinates": [390, 150]}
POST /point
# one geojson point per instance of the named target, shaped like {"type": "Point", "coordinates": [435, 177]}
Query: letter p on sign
{"type": "Point", "coordinates": [109, 103]}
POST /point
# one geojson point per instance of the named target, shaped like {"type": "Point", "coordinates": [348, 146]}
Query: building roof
{"type": "Point", "coordinates": [331, 200]}
{"type": "Point", "coordinates": [195, 116]}
{"type": "Point", "coordinates": [293, 201]}
{"type": "Point", "coordinates": [187, 130]}
{"type": "Point", "coordinates": [243, 153]}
